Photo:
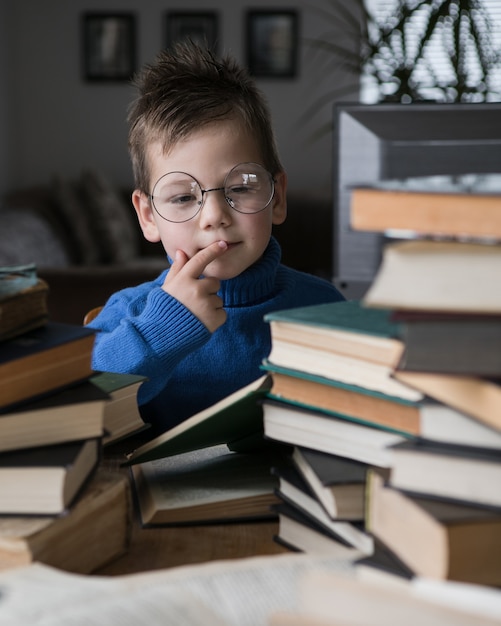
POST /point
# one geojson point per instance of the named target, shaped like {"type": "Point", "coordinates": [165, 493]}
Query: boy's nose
{"type": "Point", "coordinates": [215, 209]}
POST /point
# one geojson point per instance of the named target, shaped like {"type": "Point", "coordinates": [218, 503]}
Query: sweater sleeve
{"type": "Point", "coordinates": [148, 335]}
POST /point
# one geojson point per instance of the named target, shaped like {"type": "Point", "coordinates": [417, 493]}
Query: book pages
{"type": "Point", "coordinates": [243, 592]}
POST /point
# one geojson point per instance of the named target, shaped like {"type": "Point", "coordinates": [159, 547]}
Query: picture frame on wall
{"type": "Point", "coordinates": [109, 46]}
{"type": "Point", "coordinates": [199, 27]}
{"type": "Point", "coordinates": [272, 43]}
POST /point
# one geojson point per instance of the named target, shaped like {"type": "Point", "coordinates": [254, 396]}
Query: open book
{"type": "Point", "coordinates": [208, 485]}
{"type": "Point", "coordinates": [241, 592]}
{"type": "Point", "coordinates": [236, 418]}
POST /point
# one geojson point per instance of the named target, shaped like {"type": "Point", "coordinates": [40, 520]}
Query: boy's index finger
{"type": "Point", "coordinates": [202, 258]}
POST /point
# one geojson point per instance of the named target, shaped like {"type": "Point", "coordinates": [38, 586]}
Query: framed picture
{"type": "Point", "coordinates": [109, 46]}
{"type": "Point", "coordinates": [200, 27]}
{"type": "Point", "coordinates": [272, 43]}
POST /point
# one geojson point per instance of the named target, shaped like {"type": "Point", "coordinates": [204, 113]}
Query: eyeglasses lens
{"type": "Point", "coordinates": [249, 188]}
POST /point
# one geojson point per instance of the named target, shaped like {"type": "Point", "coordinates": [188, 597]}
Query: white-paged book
{"type": "Point", "coordinates": [302, 427]}
{"type": "Point", "coordinates": [241, 592]}
{"type": "Point", "coordinates": [439, 276]}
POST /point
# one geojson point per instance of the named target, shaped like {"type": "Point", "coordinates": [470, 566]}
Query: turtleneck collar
{"type": "Point", "coordinates": [255, 283]}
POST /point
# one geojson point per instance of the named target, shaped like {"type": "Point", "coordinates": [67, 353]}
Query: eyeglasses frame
{"type": "Point", "coordinates": [205, 191]}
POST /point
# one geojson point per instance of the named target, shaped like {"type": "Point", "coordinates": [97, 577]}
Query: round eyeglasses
{"type": "Point", "coordinates": [178, 197]}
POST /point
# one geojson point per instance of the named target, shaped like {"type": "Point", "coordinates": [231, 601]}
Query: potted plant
{"type": "Point", "coordinates": [441, 51]}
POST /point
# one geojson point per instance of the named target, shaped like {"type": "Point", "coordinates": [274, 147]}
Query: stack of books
{"type": "Point", "coordinates": [408, 382]}
{"type": "Point", "coordinates": [334, 401]}
{"type": "Point", "coordinates": [441, 282]}
{"type": "Point", "coordinates": [321, 509]}
{"type": "Point", "coordinates": [55, 412]}
{"type": "Point", "coordinates": [50, 394]}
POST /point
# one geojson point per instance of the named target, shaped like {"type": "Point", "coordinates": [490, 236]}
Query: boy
{"type": "Point", "coordinates": [209, 186]}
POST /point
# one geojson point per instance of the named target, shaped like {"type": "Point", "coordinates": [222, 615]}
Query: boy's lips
{"type": "Point", "coordinates": [230, 244]}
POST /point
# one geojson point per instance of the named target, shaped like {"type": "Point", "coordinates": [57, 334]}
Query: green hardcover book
{"type": "Point", "coordinates": [426, 418]}
{"type": "Point", "coordinates": [341, 341]}
{"type": "Point", "coordinates": [237, 417]}
{"type": "Point", "coordinates": [110, 382]}
{"type": "Point", "coordinates": [348, 328]}
{"type": "Point", "coordinates": [122, 417]}
{"type": "Point", "coordinates": [349, 315]}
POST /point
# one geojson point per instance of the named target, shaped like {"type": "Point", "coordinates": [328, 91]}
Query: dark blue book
{"type": "Point", "coordinates": [43, 360]}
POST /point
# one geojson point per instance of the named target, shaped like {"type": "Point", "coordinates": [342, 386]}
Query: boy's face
{"type": "Point", "coordinates": [208, 155]}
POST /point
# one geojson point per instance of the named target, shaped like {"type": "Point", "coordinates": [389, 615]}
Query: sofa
{"type": "Point", "coordinates": [84, 238]}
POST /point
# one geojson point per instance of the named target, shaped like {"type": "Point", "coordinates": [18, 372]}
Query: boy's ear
{"type": "Point", "coordinates": [144, 212]}
{"type": "Point", "coordinates": [280, 199]}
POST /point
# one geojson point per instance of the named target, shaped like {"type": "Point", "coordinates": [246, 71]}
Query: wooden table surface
{"type": "Point", "coordinates": [157, 548]}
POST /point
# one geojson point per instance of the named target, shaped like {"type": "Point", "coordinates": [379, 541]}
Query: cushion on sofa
{"type": "Point", "coordinates": [111, 218]}
{"type": "Point", "coordinates": [26, 237]}
{"type": "Point", "coordinates": [74, 214]}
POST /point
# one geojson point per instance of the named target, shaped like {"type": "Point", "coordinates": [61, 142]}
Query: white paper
{"type": "Point", "coordinates": [243, 592]}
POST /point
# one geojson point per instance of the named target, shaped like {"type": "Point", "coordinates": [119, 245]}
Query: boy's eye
{"type": "Point", "coordinates": [239, 190]}
{"type": "Point", "coordinates": [181, 199]}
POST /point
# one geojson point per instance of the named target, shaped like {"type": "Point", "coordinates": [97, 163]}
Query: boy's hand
{"type": "Point", "coordinates": [199, 295]}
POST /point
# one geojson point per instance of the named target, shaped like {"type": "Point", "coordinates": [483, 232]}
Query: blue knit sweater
{"type": "Point", "coordinates": [146, 331]}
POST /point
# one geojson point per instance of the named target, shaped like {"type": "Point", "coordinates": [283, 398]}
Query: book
{"type": "Point", "coordinates": [436, 538]}
{"type": "Point", "coordinates": [315, 429]}
{"type": "Point", "coordinates": [95, 531]}
{"type": "Point", "coordinates": [339, 368]}
{"type": "Point", "coordinates": [69, 414]}
{"type": "Point", "coordinates": [307, 338]}
{"type": "Point", "coordinates": [121, 412]}
{"type": "Point", "coordinates": [295, 492]}
{"type": "Point", "coordinates": [211, 484]}
{"type": "Point", "coordinates": [426, 418]}
{"type": "Point", "coordinates": [442, 276]}
{"type": "Point", "coordinates": [299, 533]}
{"type": "Point", "coordinates": [40, 594]}
{"type": "Point", "coordinates": [43, 360]}
{"type": "Point", "coordinates": [460, 206]}
{"type": "Point", "coordinates": [347, 328]}
{"type": "Point", "coordinates": [336, 598]}
{"type": "Point", "coordinates": [306, 587]}
{"type": "Point", "coordinates": [342, 341]}
{"type": "Point", "coordinates": [46, 480]}
{"type": "Point", "coordinates": [477, 397]}
{"type": "Point", "coordinates": [338, 483]}
{"type": "Point", "coordinates": [16, 278]}
{"type": "Point", "coordinates": [23, 301]}
{"type": "Point", "coordinates": [383, 565]}
{"type": "Point", "coordinates": [236, 417]}
{"type": "Point", "coordinates": [452, 344]}
{"type": "Point", "coordinates": [446, 471]}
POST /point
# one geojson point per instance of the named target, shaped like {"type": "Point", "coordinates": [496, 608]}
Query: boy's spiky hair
{"type": "Point", "coordinates": [187, 88]}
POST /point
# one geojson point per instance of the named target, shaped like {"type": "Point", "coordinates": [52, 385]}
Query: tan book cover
{"type": "Point", "coordinates": [94, 532]}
